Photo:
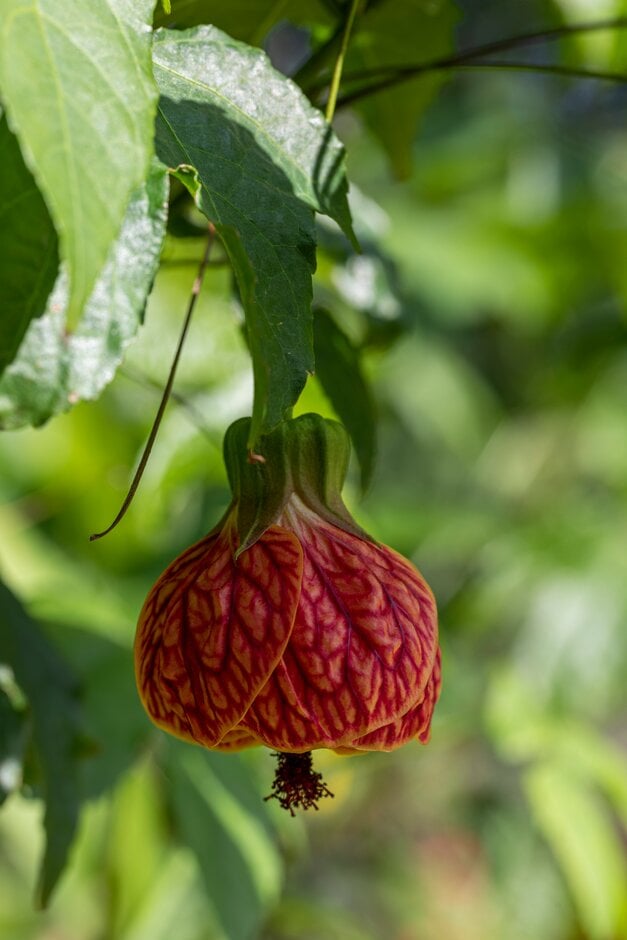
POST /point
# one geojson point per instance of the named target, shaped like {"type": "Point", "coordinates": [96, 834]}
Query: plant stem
{"type": "Point", "coordinates": [194, 414]}
{"type": "Point", "coordinates": [313, 65]}
{"type": "Point", "coordinates": [567, 70]}
{"type": "Point", "coordinates": [166, 391]}
{"type": "Point", "coordinates": [310, 69]}
{"type": "Point", "coordinates": [339, 62]}
{"type": "Point", "coordinates": [393, 75]}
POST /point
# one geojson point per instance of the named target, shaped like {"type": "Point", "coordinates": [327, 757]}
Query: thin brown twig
{"type": "Point", "coordinates": [394, 74]}
{"type": "Point", "coordinates": [568, 70]}
{"type": "Point", "coordinates": [183, 401]}
{"type": "Point", "coordinates": [192, 262]}
{"type": "Point", "coordinates": [166, 391]}
{"type": "Point", "coordinates": [565, 70]}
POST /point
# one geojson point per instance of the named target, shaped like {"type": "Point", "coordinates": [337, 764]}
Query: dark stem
{"type": "Point", "coordinates": [192, 262]}
{"type": "Point", "coordinates": [393, 75]}
{"type": "Point", "coordinates": [194, 414]}
{"type": "Point", "coordinates": [566, 70]}
{"type": "Point", "coordinates": [166, 391]}
{"type": "Point", "coordinates": [314, 65]}
{"type": "Point", "coordinates": [325, 53]}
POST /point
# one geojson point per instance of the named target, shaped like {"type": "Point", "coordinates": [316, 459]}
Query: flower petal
{"type": "Point", "coordinates": [416, 723]}
{"type": "Point", "coordinates": [212, 630]}
{"type": "Point", "coordinates": [362, 649]}
{"type": "Point", "coordinates": [236, 740]}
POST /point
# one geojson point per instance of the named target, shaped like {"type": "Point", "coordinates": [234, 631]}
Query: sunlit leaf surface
{"type": "Point", "coordinates": [75, 78]}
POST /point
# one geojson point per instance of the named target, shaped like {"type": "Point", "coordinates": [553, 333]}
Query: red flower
{"type": "Point", "coordinates": [297, 634]}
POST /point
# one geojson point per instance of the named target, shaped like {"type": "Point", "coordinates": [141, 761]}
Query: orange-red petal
{"type": "Point", "coordinates": [212, 630]}
{"type": "Point", "coordinates": [236, 740]}
{"type": "Point", "coordinates": [362, 649]}
{"type": "Point", "coordinates": [416, 723]}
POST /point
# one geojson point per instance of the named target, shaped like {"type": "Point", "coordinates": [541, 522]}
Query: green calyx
{"type": "Point", "coordinates": [307, 456]}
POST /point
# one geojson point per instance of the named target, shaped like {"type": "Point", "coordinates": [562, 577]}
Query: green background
{"type": "Point", "coordinates": [489, 308]}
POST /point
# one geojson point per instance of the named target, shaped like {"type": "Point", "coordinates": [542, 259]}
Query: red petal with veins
{"type": "Point", "coordinates": [416, 723]}
{"type": "Point", "coordinates": [212, 630]}
{"type": "Point", "coordinates": [362, 649]}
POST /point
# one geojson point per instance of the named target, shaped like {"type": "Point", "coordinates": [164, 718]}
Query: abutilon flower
{"type": "Point", "coordinates": [287, 625]}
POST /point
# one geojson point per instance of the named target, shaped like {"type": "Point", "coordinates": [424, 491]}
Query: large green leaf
{"type": "Point", "coordinates": [28, 247]}
{"type": "Point", "coordinates": [220, 815]}
{"type": "Point", "coordinates": [51, 691]}
{"type": "Point", "coordinates": [264, 158]}
{"type": "Point", "coordinates": [55, 369]}
{"type": "Point", "coordinates": [338, 366]}
{"type": "Point", "coordinates": [390, 34]}
{"type": "Point", "coordinates": [76, 80]}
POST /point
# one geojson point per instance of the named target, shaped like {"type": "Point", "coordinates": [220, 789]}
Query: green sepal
{"type": "Point", "coordinates": [319, 454]}
{"type": "Point", "coordinates": [305, 456]}
{"type": "Point", "coordinates": [260, 482]}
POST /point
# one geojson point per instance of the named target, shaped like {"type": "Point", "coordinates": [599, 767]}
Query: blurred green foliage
{"type": "Point", "coordinates": [489, 307]}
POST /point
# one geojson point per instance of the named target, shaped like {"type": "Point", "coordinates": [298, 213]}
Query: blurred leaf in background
{"type": "Point", "coordinates": [54, 734]}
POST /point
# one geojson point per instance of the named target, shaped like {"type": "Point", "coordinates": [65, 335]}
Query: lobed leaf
{"type": "Point", "coordinates": [264, 159]}
{"type": "Point", "coordinates": [75, 77]}
{"type": "Point", "coordinates": [55, 369]}
{"type": "Point", "coordinates": [28, 247]}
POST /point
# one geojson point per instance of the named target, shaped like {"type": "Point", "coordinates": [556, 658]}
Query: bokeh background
{"type": "Point", "coordinates": [488, 307]}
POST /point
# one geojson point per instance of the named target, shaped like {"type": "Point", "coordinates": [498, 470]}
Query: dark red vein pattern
{"type": "Point", "coordinates": [416, 723]}
{"type": "Point", "coordinates": [313, 638]}
{"type": "Point", "coordinates": [212, 630]}
{"type": "Point", "coordinates": [361, 654]}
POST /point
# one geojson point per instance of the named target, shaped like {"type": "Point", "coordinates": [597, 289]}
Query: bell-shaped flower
{"type": "Point", "coordinates": [287, 625]}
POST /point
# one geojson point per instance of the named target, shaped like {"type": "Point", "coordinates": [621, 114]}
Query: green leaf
{"type": "Point", "coordinates": [76, 81]}
{"type": "Point", "coordinates": [107, 675]}
{"type": "Point", "coordinates": [51, 691]}
{"type": "Point", "coordinates": [54, 369]}
{"type": "Point", "coordinates": [580, 832]}
{"type": "Point", "coordinates": [13, 735]}
{"type": "Point", "coordinates": [28, 247]}
{"type": "Point", "coordinates": [405, 33]}
{"type": "Point", "coordinates": [248, 20]}
{"type": "Point", "coordinates": [220, 815]}
{"type": "Point", "coordinates": [338, 367]}
{"type": "Point", "coordinates": [264, 158]}
{"type": "Point", "coordinates": [137, 848]}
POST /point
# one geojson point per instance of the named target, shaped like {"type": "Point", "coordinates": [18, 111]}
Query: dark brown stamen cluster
{"type": "Point", "coordinates": [296, 783]}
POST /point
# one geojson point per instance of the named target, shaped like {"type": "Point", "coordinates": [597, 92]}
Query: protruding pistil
{"type": "Point", "coordinates": [296, 784]}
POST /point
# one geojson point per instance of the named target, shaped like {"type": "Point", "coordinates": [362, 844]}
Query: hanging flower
{"type": "Point", "coordinates": [287, 625]}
